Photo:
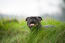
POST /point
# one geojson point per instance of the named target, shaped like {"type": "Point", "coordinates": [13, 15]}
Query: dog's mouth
{"type": "Point", "coordinates": [32, 24]}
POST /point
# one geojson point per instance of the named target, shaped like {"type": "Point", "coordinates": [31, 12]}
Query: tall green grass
{"type": "Point", "coordinates": [18, 32]}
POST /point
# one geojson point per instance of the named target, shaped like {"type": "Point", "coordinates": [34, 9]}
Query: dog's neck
{"type": "Point", "coordinates": [38, 26]}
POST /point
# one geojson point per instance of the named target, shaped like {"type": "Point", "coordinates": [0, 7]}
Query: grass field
{"type": "Point", "coordinates": [13, 31]}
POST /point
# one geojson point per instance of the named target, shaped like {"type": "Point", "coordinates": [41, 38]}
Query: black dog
{"type": "Point", "coordinates": [33, 22]}
{"type": "Point", "coordinates": [36, 22]}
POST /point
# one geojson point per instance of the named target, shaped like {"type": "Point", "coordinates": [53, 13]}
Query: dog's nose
{"type": "Point", "coordinates": [32, 22]}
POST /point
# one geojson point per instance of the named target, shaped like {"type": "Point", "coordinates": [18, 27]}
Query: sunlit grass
{"type": "Point", "coordinates": [18, 32]}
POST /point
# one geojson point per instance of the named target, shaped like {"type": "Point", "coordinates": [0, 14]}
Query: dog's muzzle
{"type": "Point", "coordinates": [32, 24]}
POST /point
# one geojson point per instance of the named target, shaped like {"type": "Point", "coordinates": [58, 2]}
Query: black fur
{"type": "Point", "coordinates": [33, 20]}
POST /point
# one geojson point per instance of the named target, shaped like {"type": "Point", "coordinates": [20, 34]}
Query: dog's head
{"type": "Point", "coordinates": [33, 21]}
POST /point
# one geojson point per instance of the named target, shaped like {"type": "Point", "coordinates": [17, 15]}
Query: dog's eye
{"type": "Point", "coordinates": [39, 18]}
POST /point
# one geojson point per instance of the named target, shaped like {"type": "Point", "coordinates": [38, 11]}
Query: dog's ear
{"type": "Point", "coordinates": [27, 18]}
{"type": "Point", "coordinates": [39, 18]}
